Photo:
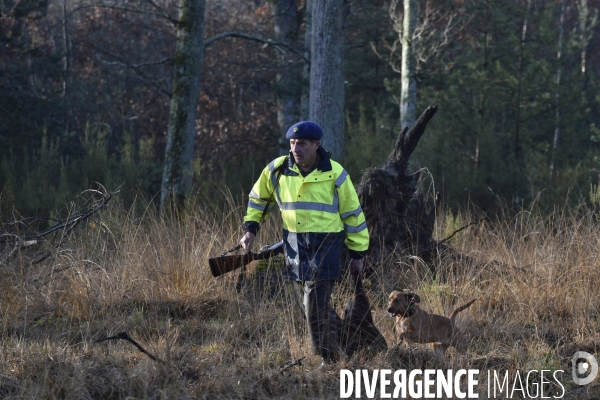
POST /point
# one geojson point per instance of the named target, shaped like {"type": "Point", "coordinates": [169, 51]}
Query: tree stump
{"type": "Point", "coordinates": [396, 213]}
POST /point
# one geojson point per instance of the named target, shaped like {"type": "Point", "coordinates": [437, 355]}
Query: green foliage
{"type": "Point", "coordinates": [39, 181]}
{"type": "Point", "coordinates": [369, 142]}
{"type": "Point", "coordinates": [491, 142]}
{"type": "Point", "coordinates": [493, 135]}
{"type": "Point", "coordinates": [451, 223]}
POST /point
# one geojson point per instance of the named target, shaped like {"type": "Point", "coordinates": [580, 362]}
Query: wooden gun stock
{"type": "Point", "coordinates": [224, 264]}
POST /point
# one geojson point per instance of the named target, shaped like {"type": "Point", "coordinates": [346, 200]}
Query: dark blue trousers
{"type": "Point", "coordinates": [324, 325]}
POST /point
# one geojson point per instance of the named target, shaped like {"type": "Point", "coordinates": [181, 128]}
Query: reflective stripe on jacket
{"type": "Point", "coordinates": [319, 212]}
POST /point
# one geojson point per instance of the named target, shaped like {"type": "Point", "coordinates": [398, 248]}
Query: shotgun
{"type": "Point", "coordinates": [224, 264]}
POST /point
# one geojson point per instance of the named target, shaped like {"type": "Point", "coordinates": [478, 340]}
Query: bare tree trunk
{"type": "Point", "coordinates": [305, 97]}
{"type": "Point", "coordinates": [327, 73]}
{"type": "Point", "coordinates": [482, 103]}
{"type": "Point", "coordinates": [557, 95]}
{"type": "Point", "coordinates": [177, 173]}
{"type": "Point", "coordinates": [587, 23]}
{"type": "Point", "coordinates": [408, 95]}
{"type": "Point", "coordinates": [517, 138]}
{"type": "Point", "coordinates": [287, 25]}
{"type": "Point", "coordinates": [583, 16]}
{"type": "Point", "coordinates": [481, 111]}
{"type": "Point", "coordinates": [66, 56]}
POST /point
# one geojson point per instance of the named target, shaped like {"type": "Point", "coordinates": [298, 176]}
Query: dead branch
{"type": "Point", "coordinates": [161, 14]}
{"type": "Point", "coordinates": [266, 41]}
{"type": "Point", "coordinates": [460, 229]}
{"type": "Point", "coordinates": [21, 233]}
{"type": "Point", "coordinates": [125, 336]}
{"type": "Point", "coordinates": [297, 362]}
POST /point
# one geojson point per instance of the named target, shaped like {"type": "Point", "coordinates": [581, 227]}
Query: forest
{"type": "Point", "coordinates": [112, 111]}
{"type": "Point", "coordinates": [86, 87]}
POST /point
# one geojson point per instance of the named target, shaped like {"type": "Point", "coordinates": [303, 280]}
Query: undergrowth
{"type": "Point", "coordinates": [536, 280]}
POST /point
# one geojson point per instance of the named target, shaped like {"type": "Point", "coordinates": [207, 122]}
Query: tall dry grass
{"type": "Point", "coordinates": [536, 279]}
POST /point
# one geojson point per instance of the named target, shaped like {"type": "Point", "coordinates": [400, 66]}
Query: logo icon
{"type": "Point", "coordinates": [585, 368]}
{"type": "Point", "coordinates": [295, 129]}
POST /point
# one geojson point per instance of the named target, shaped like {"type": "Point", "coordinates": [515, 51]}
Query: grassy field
{"type": "Point", "coordinates": [536, 280]}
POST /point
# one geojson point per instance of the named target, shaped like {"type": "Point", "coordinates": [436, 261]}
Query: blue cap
{"type": "Point", "coordinates": [304, 130]}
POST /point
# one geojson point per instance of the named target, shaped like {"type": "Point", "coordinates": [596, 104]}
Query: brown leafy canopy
{"type": "Point", "coordinates": [237, 122]}
{"type": "Point", "coordinates": [109, 64]}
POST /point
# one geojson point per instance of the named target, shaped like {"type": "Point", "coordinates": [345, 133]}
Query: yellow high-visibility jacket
{"type": "Point", "coordinates": [320, 212]}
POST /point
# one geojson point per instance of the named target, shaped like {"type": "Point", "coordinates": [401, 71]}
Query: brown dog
{"type": "Point", "coordinates": [412, 323]}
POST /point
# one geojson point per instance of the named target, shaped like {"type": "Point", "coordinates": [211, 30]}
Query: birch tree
{"type": "Point", "coordinates": [327, 73]}
{"type": "Point", "coordinates": [587, 22]}
{"type": "Point", "coordinates": [518, 149]}
{"type": "Point", "coordinates": [420, 40]}
{"type": "Point", "coordinates": [561, 31]}
{"type": "Point", "coordinates": [408, 95]}
{"type": "Point", "coordinates": [177, 173]}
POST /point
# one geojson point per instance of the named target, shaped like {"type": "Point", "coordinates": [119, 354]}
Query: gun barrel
{"type": "Point", "coordinates": [224, 264]}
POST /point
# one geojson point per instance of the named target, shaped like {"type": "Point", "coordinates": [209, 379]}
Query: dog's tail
{"type": "Point", "coordinates": [459, 309]}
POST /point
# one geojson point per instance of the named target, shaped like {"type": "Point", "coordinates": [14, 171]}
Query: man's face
{"type": "Point", "coordinates": [304, 151]}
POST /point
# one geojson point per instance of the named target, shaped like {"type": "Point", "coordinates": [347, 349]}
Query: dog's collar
{"type": "Point", "coordinates": [410, 310]}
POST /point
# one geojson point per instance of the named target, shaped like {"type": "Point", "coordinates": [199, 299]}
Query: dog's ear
{"type": "Point", "coordinates": [414, 297]}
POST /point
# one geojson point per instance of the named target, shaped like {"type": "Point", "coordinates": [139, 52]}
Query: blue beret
{"type": "Point", "coordinates": [304, 130]}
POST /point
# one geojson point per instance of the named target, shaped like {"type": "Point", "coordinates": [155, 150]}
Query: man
{"type": "Point", "coordinates": [320, 212]}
